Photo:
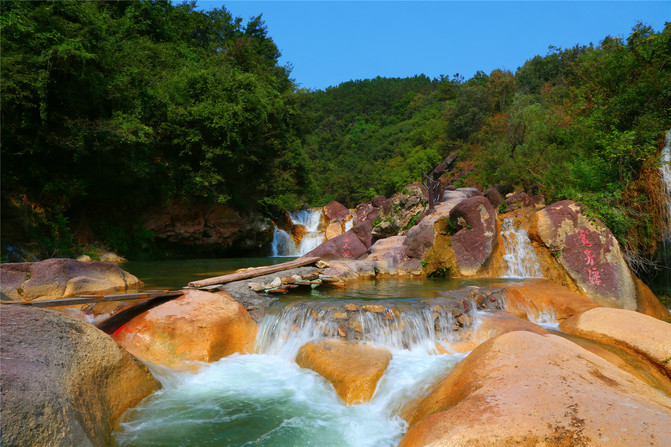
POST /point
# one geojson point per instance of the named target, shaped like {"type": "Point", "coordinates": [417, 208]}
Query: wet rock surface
{"type": "Point", "coordinates": [62, 381]}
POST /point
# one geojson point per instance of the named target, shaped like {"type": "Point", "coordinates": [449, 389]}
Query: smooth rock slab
{"type": "Point", "coordinates": [647, 336]}
{"type": "Point", "coordinates": [536, 299]}
{"type": "Point", "coordinates": [197, 327]}
{"type": "Point", "coordinates": [527, 389]}
{"type": "Point", "coordinates": [62, 278]}
{"type": "Point", "coordinates": [353, 369]}
{"type": "Point", "coordinates": [62, 381]}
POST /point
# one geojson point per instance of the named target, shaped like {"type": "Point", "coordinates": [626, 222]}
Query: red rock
{"type": "Point", "coordinates": [346, 246]}
{"type": "Point", "coordinates": [474, 243]}
{"type": "Point", "coordinates": [335, 211]}
{"type": "Point", "coordinates": [519, 200]}
{"type": "Point", "coordinates": [589, 253]}
{"type": "Point", "coordinates": [494, 197]}
{"type": "Point", "coordinates": [378, 201]}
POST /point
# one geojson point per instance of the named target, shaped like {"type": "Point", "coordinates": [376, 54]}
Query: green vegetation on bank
{"type": "Point", "coordinates": [109, 108]}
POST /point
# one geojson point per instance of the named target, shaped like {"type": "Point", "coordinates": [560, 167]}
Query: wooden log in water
{"type": "Point", "coordinates": [88, 299]}
{"type": "Point", "coordinates": [260, 271]}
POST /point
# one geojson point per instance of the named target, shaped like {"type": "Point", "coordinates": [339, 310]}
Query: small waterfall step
{"type": "Point", "coordinates": [520, 256]}
{"type": "Point", "coordinates": [311, 220]}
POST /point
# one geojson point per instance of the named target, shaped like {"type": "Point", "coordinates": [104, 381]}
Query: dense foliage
{"type": "Point", "coordinates": [582, 123]}
{"type": "Point", "coordinates": [109, 107]}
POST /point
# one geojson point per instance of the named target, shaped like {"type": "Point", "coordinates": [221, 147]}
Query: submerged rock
{"type": "Point", "coordinates": [63, 381]}
{"type": "Point", "coordinates": [197, 327]}
{"type": "Point", "coordinates": [353, 369]}
{"type": "Point", "coordinates": [62, 278]}
{"type": "Point", "coordinates": [554, 391]}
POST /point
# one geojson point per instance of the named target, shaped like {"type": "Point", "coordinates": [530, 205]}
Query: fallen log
{"type": "Point", "coordinates": [88, 299]}
{"type": "Point", "coordinates": [260, 271]}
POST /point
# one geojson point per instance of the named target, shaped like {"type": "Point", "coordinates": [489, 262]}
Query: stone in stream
{"type": "Point", "coordinates": [63, 381]}
{"type": "Point", "coordinates": [534, 299]}
{"type": "Point", "coordinates": [353, 369]}
{"type": "Point", "coordinates": [197, 327]}
{"type": "Point", "coordinates": [62, 278]}
{"type": "Point", "coordinates": [522, 388]}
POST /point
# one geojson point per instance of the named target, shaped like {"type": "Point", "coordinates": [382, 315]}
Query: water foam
{"type": "Point", "coordinates": [520, 256]}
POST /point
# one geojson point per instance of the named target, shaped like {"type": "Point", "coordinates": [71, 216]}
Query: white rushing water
{"type": "Point", "coordinates": [284, 245]}
{"type": "Point", "coordinates": [520, 257]}
{"type": "Point", "coordinates": [266, 399]}
{"type": "Point", "coordinates": [665, 170]}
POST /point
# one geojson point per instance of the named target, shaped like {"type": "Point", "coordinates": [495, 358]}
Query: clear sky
{"type": "Point", "coordinates": [329, 42]}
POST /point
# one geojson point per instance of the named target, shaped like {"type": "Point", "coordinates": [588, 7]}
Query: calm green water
{"type": "Point", "coordinates": [175, 274]}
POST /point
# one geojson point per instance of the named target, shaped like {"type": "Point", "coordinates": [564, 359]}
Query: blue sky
{"type": "Point", "coordinates": [329, 42]}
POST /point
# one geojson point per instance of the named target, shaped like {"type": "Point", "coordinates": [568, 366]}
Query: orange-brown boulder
{"type": "Point", "coordinates": [333, 229]}
{"type": "Point", "coordinates": [648, 303]}
{"type": "Point", "coordinates": [527, 389]}
{"type": "Point", "coordinates": [197, 327]}
{"type": "Point", "coordinates": [535, 298]}
{"type": "Point", "coordinates": [353, 369]}
{"type": "Point", "coordinates": [646, 336]}
{"type": "Point", "coordinates": [63, 382]}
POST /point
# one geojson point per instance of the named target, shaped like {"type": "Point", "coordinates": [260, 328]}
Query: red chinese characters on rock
{"type": "Point", "coordinates": [592, 272]}
{"type": "Point", "coordinates": [346, 249]}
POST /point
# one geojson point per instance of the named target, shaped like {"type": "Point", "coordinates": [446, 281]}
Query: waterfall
{"type": "Point", "coordinates": [520, 257]}
{"type": "Point", "coordinates": [665, 171]}
{"type": "Point", "coordinates": [284, 245]}
{"type": "Point", "coordinates": [397, 326]}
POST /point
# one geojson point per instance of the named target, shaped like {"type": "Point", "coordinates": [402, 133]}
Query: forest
{"type": "Point", "coordinates": [110, 107]}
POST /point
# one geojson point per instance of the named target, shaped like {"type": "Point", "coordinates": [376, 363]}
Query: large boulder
{"type": "Point", "coordinates": [389, 253]}
{"type": "Point", "coordinates": [474, 243]}
{"type": "Point", "coordinates": [62, 278]}
{"type": "Point", "coordinates": [646, 336]}
{"type": "Point", "coordinates": [353, 369]}
{"type": "Point", "coordinates": [63, 382]}
{"type": "Point", "coordinates": [519, 200]}
{"type": "Point", "coordinates": [335, 211]}
{"type": "Point", "coordinates": [208, 230]}
{"type": "Point", "coordinates": [346, 246]}
{"type": "Point", "coordinates": [197, 327]}
{"type": "Point", "coordinates": [554, 392]}
{"type": "Point", "coordinates": [492, 194]}
{"type": "Point", "coordinates": [538, 300]}
{"type": "Point", "coordinates": [365, 211]}
{"type": "Point", "coordinates": [588, 252]}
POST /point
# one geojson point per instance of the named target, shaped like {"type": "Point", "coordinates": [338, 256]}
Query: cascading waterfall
{"type": "Point", "coordinates": [267, 399]}
{"type": "Point", "coordinates": [284, 245]}
{"type": "Point", "coordinates": [665, 170]}
{"type": "Point", "coordinates": [520, 257]}
{"type": "Point", "coordinates": [397, 326]}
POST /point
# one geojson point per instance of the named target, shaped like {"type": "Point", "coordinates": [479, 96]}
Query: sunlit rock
{"type": "Point", "coordinates": [647, 336]}
{"type": "Point", "coordinates": [63, 381]}
{"type": "Point", "coordinates": [353, 369]}
{"type": "Point", "coordinates": [198, 327]}
{"type": "Point", "coordinates": [527, 389]}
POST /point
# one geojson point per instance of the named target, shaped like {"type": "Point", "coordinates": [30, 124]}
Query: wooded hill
{"type": "Point", "coordinates": [109, 107]}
